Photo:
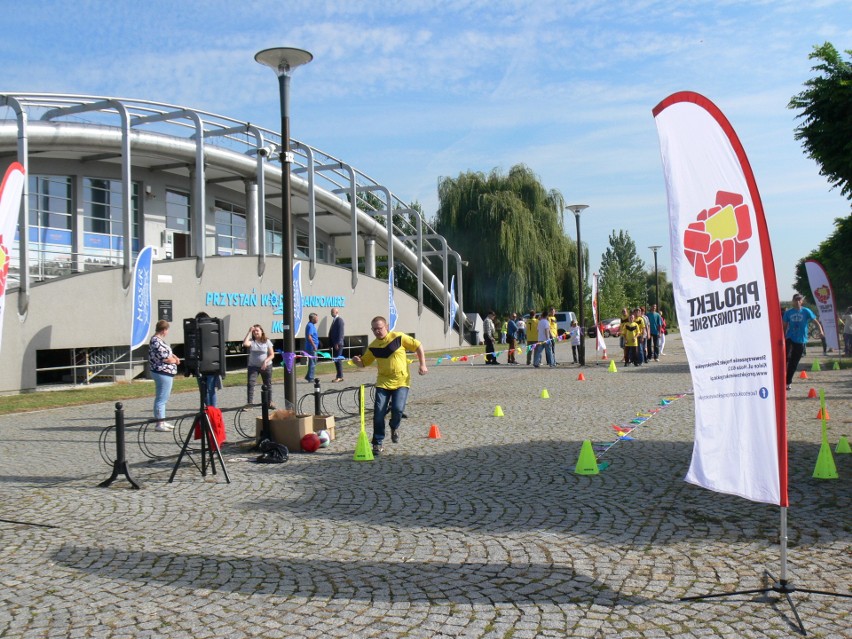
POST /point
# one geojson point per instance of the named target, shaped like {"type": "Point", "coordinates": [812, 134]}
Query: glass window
{"type": "Point", "coordinates": [102, 207]}
{"type": "Point", "coordinates": [273, 238]}
{"type": "Point", "coordinates": [230, 229]}
{"type": "Point", "coordinates": [103, 224]}
{"type": "Point", "coordinates": [50, 201]}
{"type": "Point", "coordinates": [178, 211]}
{"type": "Point", "coordinates": [302, 247]}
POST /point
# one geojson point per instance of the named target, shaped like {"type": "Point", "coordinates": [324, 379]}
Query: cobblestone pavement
{"type": "Point", "coordinates": [485, 532]}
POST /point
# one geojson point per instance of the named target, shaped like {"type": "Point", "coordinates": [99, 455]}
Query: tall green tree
{"type": "Point", "coordinates": [611, 294]}
{"type": "Point", "coordinates": [509, 229]}
{"type": "Point", "coordinates": [826, 112]}
{"type": "Point", "coordinates": [666, 303]}
{"type": "Point", "coordinates": [621, 262]}
{"type": "Point", "coordinates": [834, 255]}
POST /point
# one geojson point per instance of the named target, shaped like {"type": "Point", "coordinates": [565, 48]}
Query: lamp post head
{"type": "Point", "coordinates": [655, 248]}
{"type": "Point", "coordinates": [282, 60]}
{"type": "Point", "coordinates": [577, 208]}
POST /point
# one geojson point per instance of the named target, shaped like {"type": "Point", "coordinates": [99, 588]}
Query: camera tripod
{"type": "Point", "coordinates": [209, 445]}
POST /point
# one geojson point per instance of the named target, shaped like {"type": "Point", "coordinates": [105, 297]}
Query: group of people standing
{"type": "Point", "coordinates": [642, 335]}
{"type": "Point", "coordinates": [538, 332]}
{"type": "Point", "coordinates": [163, 363]}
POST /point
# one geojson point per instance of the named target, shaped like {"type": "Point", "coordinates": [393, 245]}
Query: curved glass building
{"type": "Point", "coordinates": [109, 176]}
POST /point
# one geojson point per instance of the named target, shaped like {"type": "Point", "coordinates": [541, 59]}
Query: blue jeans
{"type": "Point", "coordinates": [312, 365]}
{"type": "Point", "coordinates": [163, 386]}
{"type": "Point", "coordinates": [207, 386]}
{"type": "Point", "coordinates": [386, 398]}
{"type": "Point", "coordinates": [543, 346]}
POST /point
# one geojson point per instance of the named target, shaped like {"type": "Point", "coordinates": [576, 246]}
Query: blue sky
{"type": "Point", "coordinates": [409, 92]}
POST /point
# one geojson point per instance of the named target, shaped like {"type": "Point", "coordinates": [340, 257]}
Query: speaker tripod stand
{"type": "Point", "coordinates": [209, 445]}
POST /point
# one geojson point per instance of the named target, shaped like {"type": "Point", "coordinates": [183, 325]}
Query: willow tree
{"type": "Point", "coordinates": [508, 228]}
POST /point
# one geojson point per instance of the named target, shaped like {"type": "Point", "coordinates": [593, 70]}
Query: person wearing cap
{"type": "Point", "coordinates": [796, 322]}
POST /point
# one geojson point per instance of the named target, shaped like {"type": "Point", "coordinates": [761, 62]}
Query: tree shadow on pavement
{"type": "Point", "coordinates": [483, 583]}
{"type": "Point", "coordinates": [640, 498]}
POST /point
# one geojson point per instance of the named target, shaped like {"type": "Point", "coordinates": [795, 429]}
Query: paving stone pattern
{"type": "Point", "coordinates": [485, 532]}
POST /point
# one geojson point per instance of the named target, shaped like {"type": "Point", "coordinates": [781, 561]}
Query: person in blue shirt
{"type": "Point", "coordinates": [311, 345]}
{"type": "Point", "coordinates": [655, 320]}
{"type": "Point", "coordinates": [796, 322]}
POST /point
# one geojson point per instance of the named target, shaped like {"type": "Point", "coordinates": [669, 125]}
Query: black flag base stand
{"type": "Point", "coordinates": [782, 586]}
{"type": "Point", "coordinates": [120, 466]}
{"type": "Point", "coordinates": [207, 437]}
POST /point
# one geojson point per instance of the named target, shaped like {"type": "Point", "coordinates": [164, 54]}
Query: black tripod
{"type": "Point", "coordinates": [781, 586]}
{"type": "Point", "coordinates": [208, 437]}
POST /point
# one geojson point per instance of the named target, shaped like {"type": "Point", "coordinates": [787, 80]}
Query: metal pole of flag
{"type": "Point", "coordinates": [576, 209]}
{"type": "Point", "coordinates": [656, 248]}
{"type": "Point", "coordinates": [283, 60]}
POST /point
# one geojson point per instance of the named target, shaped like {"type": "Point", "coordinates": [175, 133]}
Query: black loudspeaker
{"type": "Point", "coordinates": [204, 346]}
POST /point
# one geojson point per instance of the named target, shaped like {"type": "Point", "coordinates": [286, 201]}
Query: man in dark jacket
{"type": "Point", "coordinates": [335, 338]}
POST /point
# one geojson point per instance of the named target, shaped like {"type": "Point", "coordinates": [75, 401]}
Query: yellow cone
{"type": "Point", "coordinates": [843, 445]}
{"type": "Point", "coordinates": [545, 394]}
{"type": "Point", "coordinates": [815, 367]}
{"type": "Point", "coordinates": [825, 468]}
{"type": "Point", "coordinates": [612, 368]}
{"type": "Point", "coordinates": [587, 463]}
{"type": "Point", "coordinates": [498, 412]}
{"type": "Point", "coordinates": [363, 450]}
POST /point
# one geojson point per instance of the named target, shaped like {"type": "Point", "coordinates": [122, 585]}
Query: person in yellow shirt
{"type": "Point", "coordinates": [554, 332]}
{"type": "Point", "coordinates": [630, 332]}
{"type": "Point", "coordinates": [532, 336]}
{"type": "Point", "coordinates": [389, 350]}
{"type": "Point", "coordinates": [638, 317]}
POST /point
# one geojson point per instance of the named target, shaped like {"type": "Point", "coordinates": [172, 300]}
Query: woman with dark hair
{"type": "Point", "coordinates": [163, 369]}
{"type": "Point", "coordinates": [260, 355]}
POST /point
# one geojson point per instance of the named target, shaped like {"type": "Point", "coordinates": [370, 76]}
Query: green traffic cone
{"type": "Point", "coordinates": [836, 366]}
{"type": "Point", "coordinates": [843, 445]}
{"type": "Point", "coordinates": [815, 367]}
{"type": "Point", "coordinates": [587, 464]}
{"type": "Point", "coordinates": [363, 450]}
{"type": "Point", "coordinates": [825, 468]}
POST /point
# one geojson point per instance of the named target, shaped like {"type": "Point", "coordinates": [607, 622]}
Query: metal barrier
{"type": "Point", "coordinates": [146, 443]}
{"type": "Point", "coordinates": [346, 400]}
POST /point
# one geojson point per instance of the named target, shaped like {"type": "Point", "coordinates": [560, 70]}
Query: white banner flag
{"type": "Point", "coordinates": [726, 298]}
{"type": "Point", "coordinates": [10, 206]}
{"type": "Point", "coordinates": [823, 295]}
{"type": "Point", "coordinates": [600, 344]}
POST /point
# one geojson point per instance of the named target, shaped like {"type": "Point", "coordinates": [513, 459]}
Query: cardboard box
{"type": "Point", "coordinates": [324, 422]}
{"type": "Point", "coordinates": [288, 431]}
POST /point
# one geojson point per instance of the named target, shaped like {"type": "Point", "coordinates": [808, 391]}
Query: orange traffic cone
{"type": "Point", "coordinates": [803, 375]}
{"type": "Point", "coordinates": [819, 414]}
{"type": "Point", "coordinates": [812, 393]}
{"type": "Point", "coordinates": [581, 377]}
{"type": "Point", "coordinates": [434, 432]}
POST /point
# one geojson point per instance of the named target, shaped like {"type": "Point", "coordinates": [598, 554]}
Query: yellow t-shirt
{"type": "Point", "coordinates": [630, 332]}
{"type": "Point", "coordinates": [554, 329]}
{"type": "Point", "coordinates": [532, 330]}
{"type": "Point", "coordinates": [389, 353]}
{"type": "Point", "coordinates": [641, 322]}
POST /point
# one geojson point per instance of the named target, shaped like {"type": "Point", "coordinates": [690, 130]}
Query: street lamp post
{"type": "Point", "coordinates": [283, 60]}
{"type": "Point", "coordinates": [577, 209]}
{"type": "Point", "coordinates": [656, 248]}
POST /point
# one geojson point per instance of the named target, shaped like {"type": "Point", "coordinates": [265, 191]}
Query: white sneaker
{"type": "Point", "coordinates": [163, 427]}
